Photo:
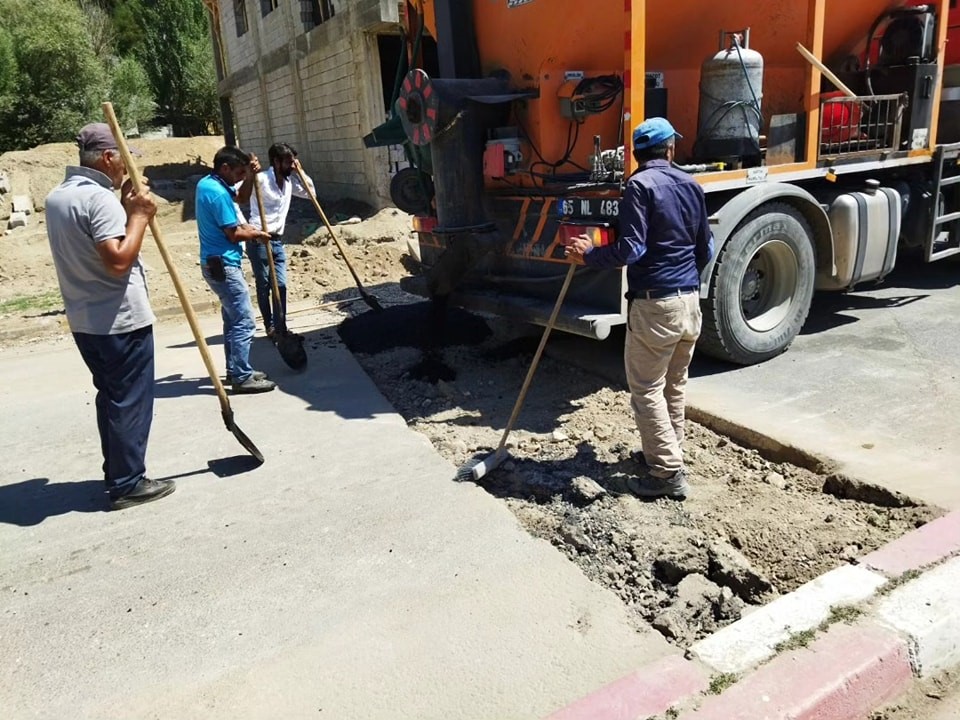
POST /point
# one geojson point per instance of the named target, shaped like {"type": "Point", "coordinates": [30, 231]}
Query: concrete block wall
{"type": "Point", "coordinates": [240, 51]}
{"type": "Point", "coordinates": [252, 134]}
{"type": "Point", "coordinates": [282, 107]}
{"type": "Point", "coordinates": [317, 89]}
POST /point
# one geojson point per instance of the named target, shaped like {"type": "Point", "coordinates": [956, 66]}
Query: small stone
{"type": "Point", "coordinates": [559, 436]}
{"type": "Point", "coordinates": [850, 552]}
{"type": "Point", "coordinates": [669, 625]}
{"type": "Point", "coordinates": [586, 489]}
{"type": "Point", "coordinates": [573, 535]}
{"type": "Point", "coordinates": [602, 432]}
{"type": "Point", "coordinates": [775, 479]}
{"type": "Point", "coordinates": [17, 219]}
{"type": "Point", "coordinates": [21, 203]}
{"type": "Point", "coordinates": [446, 389]}
{"type": "Point", "coordinates": [456, 448]}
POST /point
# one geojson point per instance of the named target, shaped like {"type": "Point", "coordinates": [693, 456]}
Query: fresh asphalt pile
{"type": "Point", "coordinates": [753, 529]}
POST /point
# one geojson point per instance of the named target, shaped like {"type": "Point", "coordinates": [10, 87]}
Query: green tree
{"type": "Point", "coordinates": [131, 94]}
{"type": "Point", "coordinates": [9, 72]}
{"type": "Point", "coordinates": [172, 41]}
{"type": "Point", "coordinates": [60, 81]}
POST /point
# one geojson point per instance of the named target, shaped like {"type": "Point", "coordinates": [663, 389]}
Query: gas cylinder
{"type": "Point", "coordinates": [731, 85]}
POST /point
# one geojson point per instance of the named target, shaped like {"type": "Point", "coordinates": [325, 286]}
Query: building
{"type": "Point", "coordinates": [318, 74]}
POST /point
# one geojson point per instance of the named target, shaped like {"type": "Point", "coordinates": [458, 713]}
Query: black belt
{"type": "Point", "coordinates": [660, 293]}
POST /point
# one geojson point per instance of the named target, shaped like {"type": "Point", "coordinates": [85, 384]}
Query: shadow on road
{"type": "Point", "coordinates": [32, 501]}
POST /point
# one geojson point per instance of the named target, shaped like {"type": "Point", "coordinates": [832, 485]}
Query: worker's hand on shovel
{"type": "Point", "coordinates": [254, 167]}
{"type": "Point", "coordinates": [258, 235]}
{"type": "Point", "coordinates": [138, 204]}
{"type": "Point", "coordinates": [577, 247]}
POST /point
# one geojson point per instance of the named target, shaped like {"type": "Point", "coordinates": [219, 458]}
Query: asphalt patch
{"type": "Point", "coordinates": [432, 369]}
{"type": "Point", "coordinates": [371, 333]}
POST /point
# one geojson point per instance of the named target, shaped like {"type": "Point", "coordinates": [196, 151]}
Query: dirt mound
{"type": "Point", "coordinates": [30, 303]}
{"type": "Point", "coordinates": [752, 529]}
{"type": "Point", "coordinates": [37, 171]}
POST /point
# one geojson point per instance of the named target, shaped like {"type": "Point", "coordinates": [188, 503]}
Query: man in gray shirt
{"type": "Point", "coordinates": [95, 239]}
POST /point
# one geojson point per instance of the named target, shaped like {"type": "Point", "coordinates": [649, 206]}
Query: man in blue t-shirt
{"type": "Point", "coordinates": [221, 233]}
{"type": "Point", "coordinates": [665, 243]}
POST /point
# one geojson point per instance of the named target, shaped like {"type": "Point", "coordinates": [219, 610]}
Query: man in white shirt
{"type": "Point", "coordinates": [277, 185]}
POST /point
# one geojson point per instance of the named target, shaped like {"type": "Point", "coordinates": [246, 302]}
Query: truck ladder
{"type": "Point", "coordinates": [942, 242]}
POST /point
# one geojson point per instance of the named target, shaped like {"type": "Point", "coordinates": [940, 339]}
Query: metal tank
{"type": "Point", "coordinates": [731, 88]}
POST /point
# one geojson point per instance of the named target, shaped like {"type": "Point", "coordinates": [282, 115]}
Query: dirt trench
{"type": "Point", "coordinates": [753, 528]}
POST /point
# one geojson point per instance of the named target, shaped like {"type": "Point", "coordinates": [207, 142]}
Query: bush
{"type": "Point", "coordinates": [131, 94]}
{"type": "Point", "coordinates": [59, 80]}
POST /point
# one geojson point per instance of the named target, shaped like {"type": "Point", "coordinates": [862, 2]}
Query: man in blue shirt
{"type": "Point", "coordinates": [221, 232]}
{"type": "Point", "coordinates": [665, 242]}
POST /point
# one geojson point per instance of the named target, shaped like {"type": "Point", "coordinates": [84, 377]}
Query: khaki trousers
{"type": "Point", "coordinates": [661, 335]}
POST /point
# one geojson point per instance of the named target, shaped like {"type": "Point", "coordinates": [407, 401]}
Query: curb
{"type": "Point", "coordinates": [905, 597]}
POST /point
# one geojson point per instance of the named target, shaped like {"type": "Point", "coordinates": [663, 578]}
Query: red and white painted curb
{"type": "Point", "coordinates": [910, 632]}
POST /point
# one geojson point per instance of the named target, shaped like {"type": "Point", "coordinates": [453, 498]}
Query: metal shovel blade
{"type": "Point", "coordinates": [291, 350]}
{"type": "Point", "coordinates": [241, 436]}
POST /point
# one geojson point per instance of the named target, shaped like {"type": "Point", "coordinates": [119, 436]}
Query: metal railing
{"type": "Point", "coordinates": [861, 126]}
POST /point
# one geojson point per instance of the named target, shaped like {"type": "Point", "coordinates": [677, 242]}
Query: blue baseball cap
{"type": "Point", "coordinates": [653, 131]}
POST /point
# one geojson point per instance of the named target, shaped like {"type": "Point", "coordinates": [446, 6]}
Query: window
{"type": "Point", "coordinates": [240, 15]}
{"type": "Point", "coordinates": [315, 12]}
{"type": "Point", "coordinates": [268, 6]}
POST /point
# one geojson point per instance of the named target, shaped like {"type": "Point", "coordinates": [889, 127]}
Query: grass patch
{"type": "Point", "coordinates": [719, 683]}
{"type": "Point", "coordinates": [43, 301]}
{"type": "Point", "coordinates": [796, 641]}
{"type": "Point", "coordinates": [842, 613]}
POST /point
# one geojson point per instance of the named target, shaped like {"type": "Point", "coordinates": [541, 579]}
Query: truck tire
{"type": "Point", "coordinates": [761, 287]}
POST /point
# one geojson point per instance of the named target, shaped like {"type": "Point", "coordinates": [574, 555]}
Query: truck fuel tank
{"type": "Point", "coordinates": [866, 228]}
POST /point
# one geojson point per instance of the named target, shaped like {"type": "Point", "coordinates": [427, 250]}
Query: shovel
{"type": "Point", "coordinates": [367, 297]}
{"type": "Point", "coordinates": [476, 470]}
{"type": "Point", "coordinates": [289, 344]}
{"type": "Point", "coordinates": [225, 410]}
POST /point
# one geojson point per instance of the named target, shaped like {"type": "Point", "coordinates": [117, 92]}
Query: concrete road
{"type": "Point", "coordinates": [872, 384]}
{"type": "Point", "coordinates": [348, 577]}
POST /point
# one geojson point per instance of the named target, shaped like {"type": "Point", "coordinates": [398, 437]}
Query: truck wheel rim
{"type": "Point", "coordinates": [768, 285]}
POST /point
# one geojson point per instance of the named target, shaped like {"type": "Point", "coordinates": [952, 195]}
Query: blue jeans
{"type": "Point", "coordinates": [257, 252]}
{"type": "Point", "coordinates": [238, 322]}
{"type": "Point", "coordinates": [122, 369]}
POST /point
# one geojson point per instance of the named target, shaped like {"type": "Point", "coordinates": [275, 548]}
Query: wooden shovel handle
{"type": "Point", "coordinates": [274, 285]}
{"type": "Point", "coordinates": [134, 174]}
{"type": "Point", "coordinates": [827, 73]}
{"type": "Point", "coordinates": [323, 216]}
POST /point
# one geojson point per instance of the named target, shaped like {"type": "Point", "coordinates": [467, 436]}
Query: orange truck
{"type": "Point", "coordinates": [825, 134]}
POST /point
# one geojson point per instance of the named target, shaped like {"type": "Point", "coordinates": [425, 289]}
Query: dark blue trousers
{"type": "Point", "coordinates": [122, 369]}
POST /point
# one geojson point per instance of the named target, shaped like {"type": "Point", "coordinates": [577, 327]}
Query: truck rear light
{"type": "Point", "coordinates": [600, 234]}
{"type": "Point", "coordinates": [424, 223]}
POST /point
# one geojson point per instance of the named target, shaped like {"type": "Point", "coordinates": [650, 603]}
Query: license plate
{"type": "Point", "coordinates": [577, 208]}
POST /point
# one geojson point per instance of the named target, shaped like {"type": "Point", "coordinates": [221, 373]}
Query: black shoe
{"type": "Point", "coordinates": [145, 491]}
{"type": "Point", "coordinates": [253, 385]}
{"type": "Point", "coordinates": [257, 375]}
{"type": "Point", "coordinates": [272, 334]}
{"type": "Point", "coordinates": [638, 457]}
{"type": "Point", "coordinates": [650, 487]}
